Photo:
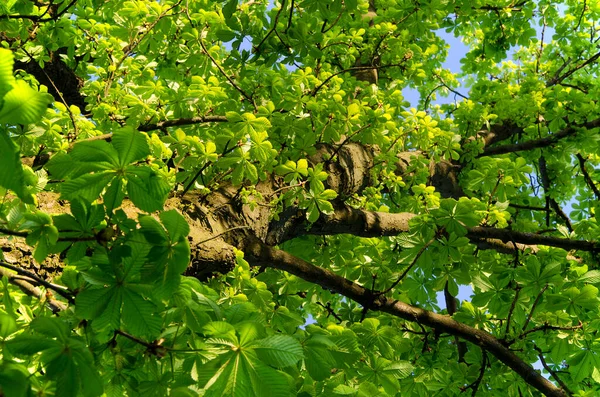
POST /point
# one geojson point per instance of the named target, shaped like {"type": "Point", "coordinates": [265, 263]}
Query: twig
{"type": "Point", "coordinates": [62, 291]}
{"type": "Point", "coordinates": [354, 68]}
{"type": "Point", "coordinates": [231, 81]}
{"type": "Point", "coordinates": [512, 308]}
{"type": "Point", "coordinates": [551, 371]}
{"type": "Point", "coordinates": [270, 32]}
{"type": "Point", "coordinates": [451, 308]}
{"type": "Point", "coordinates": [31, 290]}
{"type": "Point", "coordinates": [182, 122]}
{"type": "Point", "coordinates": [539, 143]}
{"type": "Point", "coordinates": [546, 183]}
{"type": "Point", "coordinates": [9, 232]}
{"type": "Point", "coordinates": [586, 176]}
{"type": "Point", "coordinates": [323, 30]}
{"type": "Point", "coordinates": [286, 187]}
{"type": "Point", "coordinates": [60, 95]}
{"type": "Point", "coordinates": [583, 10]}
{"type": "Point", "coordinates": [548, 327]}
{"type": "Point", "coordinates": [475, 385]}
{"type": "Point", "coordinates": [405, 272]}
{"type": "Point", "coordinates": [205, 166]}
{"type": "Point", "coordinates": [535, 302]}
{"type": "Point", "coordinates": [361, 129]}
{"type": "Point", "coordinates": [330, 311]}
{"type": "Point", "coordinates": [557, 79]}
{"type": "Point", "coordinates": [289, 24]}
{"type": "Point", "coordinates": [527, 207]}
{"type": "Point", "coordinates": [133, 45]}
{"type": "Point", "coordinates": [155, 348]}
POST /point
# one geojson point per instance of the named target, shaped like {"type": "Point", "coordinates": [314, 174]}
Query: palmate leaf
{"type": "Point", "coordinates": [23, 104]}
{"type": "Point", "coordinates": [27, 345]}
{"type": "Point", "coordinates": [8, 325]}
{"type": "Point", "coordinates": [66, 359]}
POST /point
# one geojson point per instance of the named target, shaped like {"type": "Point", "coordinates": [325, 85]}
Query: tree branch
{"type": "Point", "coordinates": [231, 81]}
{"type": "Point", "coordinates": [557, 79]}
{"type": "Point", "coordinates": [552, 372]}
{"type": "Point", "coordinates": [40, 18]}
{"type": "Point", "coordinates": [62, 291]}
{"type": "Point", "coordinates": [352, 69]}
{"type": "Point", "coordinates": [31, 290]}
{"type": "Point", "coordinates": [548, 327]}
{"type": "Point", "coordinates": [181, 122]}
{"type": "Point", "coordinates": [549, 200]}
{"type": "Point", "coordinates": [538, 143]}
{"type": "Point", "coordinates": [260, 254]}
{"type": "Point", "coordinates": [535, 303]}
{"type": "Point", "coordinates": [586, 176]}
{"type": "Point", "coordinates": [363, 223]}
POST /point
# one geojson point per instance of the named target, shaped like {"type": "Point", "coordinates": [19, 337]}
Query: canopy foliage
{"type": "Point", "coordinates": [235, 198]}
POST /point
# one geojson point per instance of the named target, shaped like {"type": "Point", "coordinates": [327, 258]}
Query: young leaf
{"type": "Point", "coordinates": [23, 104]}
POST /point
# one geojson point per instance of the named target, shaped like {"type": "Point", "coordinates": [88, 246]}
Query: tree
{"type": "Point", "coordinates": [235, 198]}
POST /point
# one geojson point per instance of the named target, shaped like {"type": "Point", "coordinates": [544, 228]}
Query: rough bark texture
{"type": "Point", "coordinates": [221, 223]}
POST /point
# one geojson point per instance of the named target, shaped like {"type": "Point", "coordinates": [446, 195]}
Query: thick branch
{"type": "Point", "coordinates": [182, 121]}
{"type": "Point", "coordinates": [260, 254]}
{"type": "Point", "coordinates": [364, 223]}
{"type": "Point", "coordinates": [506, 235]}
{"type": "Point", "coordinates": [538, 143]}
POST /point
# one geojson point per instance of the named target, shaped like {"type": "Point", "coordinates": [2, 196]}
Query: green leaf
{"type": "Point", "coordinates": [242, 374]}
{"type": "Point", "coordinates": [318, 358]}
{"type": "Point", "coordinates": [229, 9]}
{"type": "Point", "coordinates": [14, 379]}
{"type": "Point", "coordinates": [175, 224]}
{"type": "Point", "coordinates": [592, 277]}
{"type": "Point", "coordinates": [87, 187]}
{"type": "Point", "coordinates": [26, 345]}
{"type": "Point", "coordinates": [138, 315]}
{"type": "Point", "coordinates": [279, 351]}
{"type": "Point", "coordinates": [103, 305]}
{"type": "Point", "coordinates": [146, 188]}
{"type": "Point", "coordinates": [95, 152]}
{"type": "Point", "coordinates": [12, 176]}
{"type": "Point", "coordinates": [23, 104]}
{"type": "Point", "coordinates": [8, 325]}
{"type": "Point", "coordinates": [131, 145]}
{"type": "Point", "coordinates": [6, 72]}
{"type": "Point", "coordinates": [51, 327]}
